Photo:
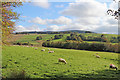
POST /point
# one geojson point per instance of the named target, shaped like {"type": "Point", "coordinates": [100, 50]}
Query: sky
{"type": "Point", "coordinates": [54, 15]}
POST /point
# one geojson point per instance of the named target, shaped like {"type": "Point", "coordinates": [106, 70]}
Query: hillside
{"type": "Point", "coordinates": [41, 64]}
{"type": "Point", "coordinates": [54, 32]}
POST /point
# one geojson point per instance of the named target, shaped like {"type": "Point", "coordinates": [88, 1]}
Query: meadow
{"type": "Point", "coordinates": [41, 64]}
{"type": "Point", "coordinates": [31, 38]}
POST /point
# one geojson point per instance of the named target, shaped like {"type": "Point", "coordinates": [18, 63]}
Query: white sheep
{"type": "Point", "coordinates": [50, 51]}
{"type": "Point", "coordinates": [97, 56]}
{"type": "Point", "coordinates": [62, 60]}
{"type": "Point", "coordinates": [113, 66]}
{"type": "Point", "coordinates": [36, 48]}
{"type": "Point", "coordinates": [96, 53]}
{"type": "Point", "coordinates": [43, 50]}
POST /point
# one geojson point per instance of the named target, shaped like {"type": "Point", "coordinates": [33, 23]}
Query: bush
{"type": "Point", "coordinates": [58, 36]}
{"type": "Point", "coordinates": [39, 38]}
{"type": "Point", "coordinates": [83, 46]}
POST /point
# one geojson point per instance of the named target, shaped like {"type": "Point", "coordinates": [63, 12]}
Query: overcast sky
{"type": "Point", "coordinates": [73, 15]}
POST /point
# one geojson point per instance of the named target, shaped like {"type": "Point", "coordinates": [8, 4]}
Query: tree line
{"type": "Point", "coordinates": [108, 47]}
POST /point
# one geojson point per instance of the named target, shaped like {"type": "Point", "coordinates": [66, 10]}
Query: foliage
{"type": "Point", "coordinates": [83, 46]}
{"type": "Point", "coordinates": [58, 36]}
{"type": "Point", "coordinates": [8, 15]}
{"type": "Point", "coordinates": [74, 36]}
{"type": "Point", "coordinates": [39, 38]}
{"type": "Point", "coordinates": [115, 13]}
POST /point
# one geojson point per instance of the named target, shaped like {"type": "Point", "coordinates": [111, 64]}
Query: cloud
{"type": "Point", "coordinates": [41, 3]}
{"type": "Point", "coordinates": [85, 15]}
{"type": "Point", "coordinates": [91, 15]}
{"type": "Point", "coordinates": [52, 28]}
{"type": "Point", "coordinates": [38, 20]}
{"type": "Point", "coordinates": [59, 21]}
{"type": "Point", "coordinates": [85, 9]}
{"type": "Point", "coordinates": [21, 28]}
{"type": "Point", "coordinates": [113, 6]}
{"type": "Point", "coordinates": [59, 6]}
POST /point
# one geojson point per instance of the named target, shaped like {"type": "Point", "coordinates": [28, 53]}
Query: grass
{"type": "Point", "coordinates": [31, 38]}
{"type": "Point", "coordinates": [41, 64]}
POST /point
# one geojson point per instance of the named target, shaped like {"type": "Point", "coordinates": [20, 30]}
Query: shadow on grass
{"type": "Point", "coordinates": [96, 75]}
{"type": "Point", "coordinates": [56, 63]}
{"type": "Point", "coordinates": [16, 75]}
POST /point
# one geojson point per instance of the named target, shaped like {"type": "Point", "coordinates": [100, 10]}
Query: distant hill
{"type": "Point", "coordinates": [54, 32]}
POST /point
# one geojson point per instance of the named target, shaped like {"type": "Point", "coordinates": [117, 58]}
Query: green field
{"type": "Point", "coordinates": [31, 38]}
{"type": "Point", "coordinates": [41, 64]}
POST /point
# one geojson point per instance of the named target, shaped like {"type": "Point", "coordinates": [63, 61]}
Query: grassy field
{"type": "Point", "coordinates": [31, 38]}
{"type": "Point", "coordinates": [41, 64]}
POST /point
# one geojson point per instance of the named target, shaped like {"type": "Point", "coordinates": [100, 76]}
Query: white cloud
{"type": "Point", "coordinates": [41, 3]}
{"type": "Point", "coordinates": [86, 9]}
{"type": "Point", "coordinates": [59, 6]}
{"type": "Point", "coordinates": [91, 15]}
{"type": "Point", "coordinates": [113, 6]}
{"type": "Point", "coordinates": [21, 28]}
{"type": "Point", "coordinates": [85, 15]}
{"type": "Point", "coordinates": [61, 20]}
{"type": "Point", "coordinates": [38, 20]}
{"type": "Point", "coordinates": [52, 28]}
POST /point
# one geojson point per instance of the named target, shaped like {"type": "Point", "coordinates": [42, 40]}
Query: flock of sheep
{"type": "Point", "coordinates": [64, 61]}
{"type": "Point", "coordinates": [112, 66]}
{"type": "Point", "coordinates": [59, 60]}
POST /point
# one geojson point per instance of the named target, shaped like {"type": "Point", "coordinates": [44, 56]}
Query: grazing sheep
{"type": "Point", "coordinates": [97, 56]}
{"type": "Point", "coordinates": [62, 60]}
{"type": "Point", "coordinates": [50, 51]}
{"type": "Point", "coordinates": [36, 48]}
{"type": "Point", "coordinates": [43, 50]}
{"type": "Point", "coordinates": [96, 53]}
{"type": "Point", "coordinates": [113, 66]}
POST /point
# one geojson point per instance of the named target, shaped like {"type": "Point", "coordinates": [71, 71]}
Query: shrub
{"type": "Point", "coordinates": [58, 36]}
{"type": "Point", "coordinates": [39, 38]}
{"type": "Point", "coordinates": [84, 46]}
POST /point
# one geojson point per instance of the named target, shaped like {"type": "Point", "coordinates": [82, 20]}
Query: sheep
{"type": "Point", "coordinates": [43, 50]}
{"type": "Point", "coordinates": [97, 56]}
{"type": "Point", "coordinates": [62, 60]}
{"type": "Point", "coordinates": [113, 66]}
{"type": "Point", "coordinates": [50, 51]}
{"type": "Point", "coordinates": [36, 48]}
{"type": "Point", "coordinates": [96, 53]}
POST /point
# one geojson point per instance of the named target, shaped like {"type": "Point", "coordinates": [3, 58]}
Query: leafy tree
{"type": "Point", "coordinates": [58, 36]}
{"type": "Point", "coordinates": [39, 38]}
{"type": "Point", "coordinates": [8, 18]}
{"type": "Point", "coordinates": [115, 13]}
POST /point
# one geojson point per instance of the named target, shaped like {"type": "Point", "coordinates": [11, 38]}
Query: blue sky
{"type": "Point", "coordinates": [56, 16]}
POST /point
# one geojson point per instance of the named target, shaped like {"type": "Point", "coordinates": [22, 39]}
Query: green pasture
{"type": "Point", "coordinates": [41, 64]}
{"type": "Point", "coordinates": [31, 38]}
